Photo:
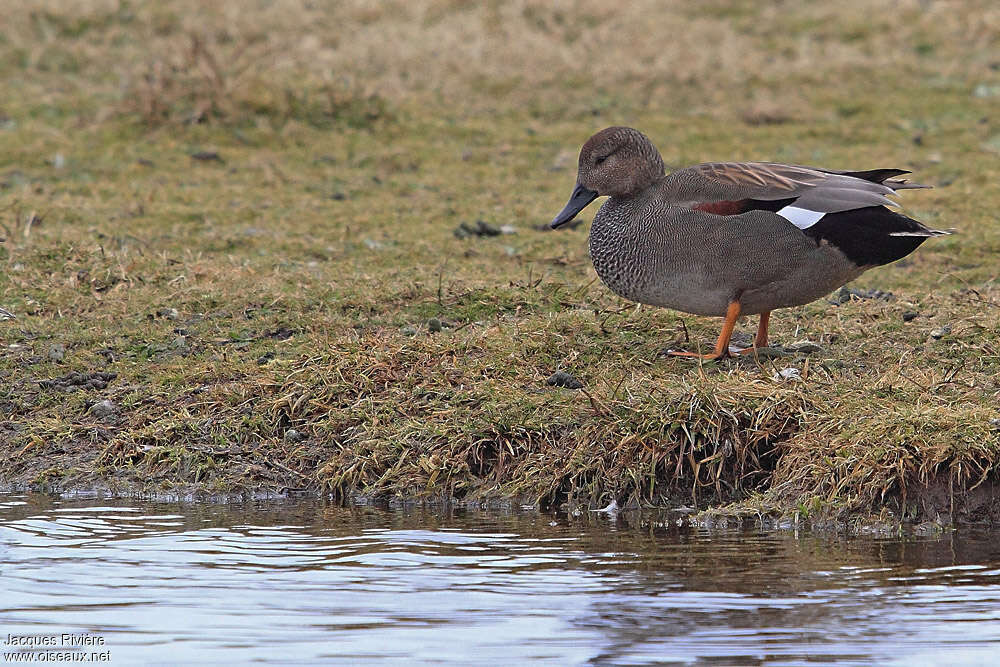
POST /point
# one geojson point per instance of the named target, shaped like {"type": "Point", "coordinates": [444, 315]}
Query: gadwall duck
{"type": "Point", "coordinates": [733, 238]}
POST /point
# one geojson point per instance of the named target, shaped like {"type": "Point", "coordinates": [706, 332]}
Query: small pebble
{"type": "Point", "coordinates": [57, 352]}
{"type": "Point", "coordinates": [408, 330]}
{"type": "Point", "coordinates": [941, 332]}
{"type": "Point", "coordinates": [434, 325]}
{"type": "Point", "coordinates": [788, 374]}
{"type": "Point", "coordinates": [291, 435]}
{"type": "Point", "coordinates": [564, 379]}
{"type": "Point", "coordinates": [910, 315]}
{"type": "Point", "coordinates": [169, 313]}
{"type": "Point", "coordinates": [103, 409]}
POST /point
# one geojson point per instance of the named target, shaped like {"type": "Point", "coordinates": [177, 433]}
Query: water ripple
{"type": "Point", "coordinates": [309, 582]}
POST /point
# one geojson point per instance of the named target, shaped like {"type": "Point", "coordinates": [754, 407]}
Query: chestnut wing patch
{"type": "Point", "coordinates": [738, 206]}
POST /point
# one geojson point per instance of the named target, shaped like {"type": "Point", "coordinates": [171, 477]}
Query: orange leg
{"type": "Point", "coordinates": [722, 344]}
{"type": "Point", "coordinates": [761, 339]}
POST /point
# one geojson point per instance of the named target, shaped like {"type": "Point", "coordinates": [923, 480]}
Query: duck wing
{"type": "Point", "coordinates": [844, 208]}
{"type": "Point", "coordinates": [805, 194]}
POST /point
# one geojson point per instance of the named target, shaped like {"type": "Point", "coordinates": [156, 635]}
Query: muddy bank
{"type": "Point", "coordinates": [769, 453]}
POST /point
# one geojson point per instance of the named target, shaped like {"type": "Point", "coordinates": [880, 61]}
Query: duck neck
{"type": "Point", "coordinates": [617, 217]}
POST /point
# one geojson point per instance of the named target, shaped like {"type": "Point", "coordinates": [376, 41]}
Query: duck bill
{"type": "Point", "coordinates": [577, 202]}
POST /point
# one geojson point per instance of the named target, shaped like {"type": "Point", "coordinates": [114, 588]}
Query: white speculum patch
{"type": "Point", "coordinates": [802, 218]}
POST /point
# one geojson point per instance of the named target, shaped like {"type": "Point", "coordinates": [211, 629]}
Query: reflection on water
{"type": "Point", "coordinates": [314, 582]}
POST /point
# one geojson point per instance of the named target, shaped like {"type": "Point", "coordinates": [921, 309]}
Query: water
{"type": "Point", "coordinates": [308, 582]}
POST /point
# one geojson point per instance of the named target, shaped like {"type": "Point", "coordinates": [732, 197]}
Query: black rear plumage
{"type": "Point", "coordinates": [871, 236]}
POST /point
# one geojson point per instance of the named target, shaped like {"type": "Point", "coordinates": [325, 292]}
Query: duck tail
{"type": "Point", "coordinates": [903, 184]}
{"type": "Point", "coordinates": [886, 177]}
{"type": "Point", "coordinates": [926, 232]}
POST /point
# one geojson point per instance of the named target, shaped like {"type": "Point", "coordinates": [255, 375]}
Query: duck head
{"type": "Point", "coordinates": [617, 161]}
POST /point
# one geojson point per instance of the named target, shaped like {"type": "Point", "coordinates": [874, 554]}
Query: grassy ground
{"type": "Point", "coordinates": [243, 214]}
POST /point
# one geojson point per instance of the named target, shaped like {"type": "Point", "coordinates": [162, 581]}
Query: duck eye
{"type": "Point", "coordinates": [600, 159]}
